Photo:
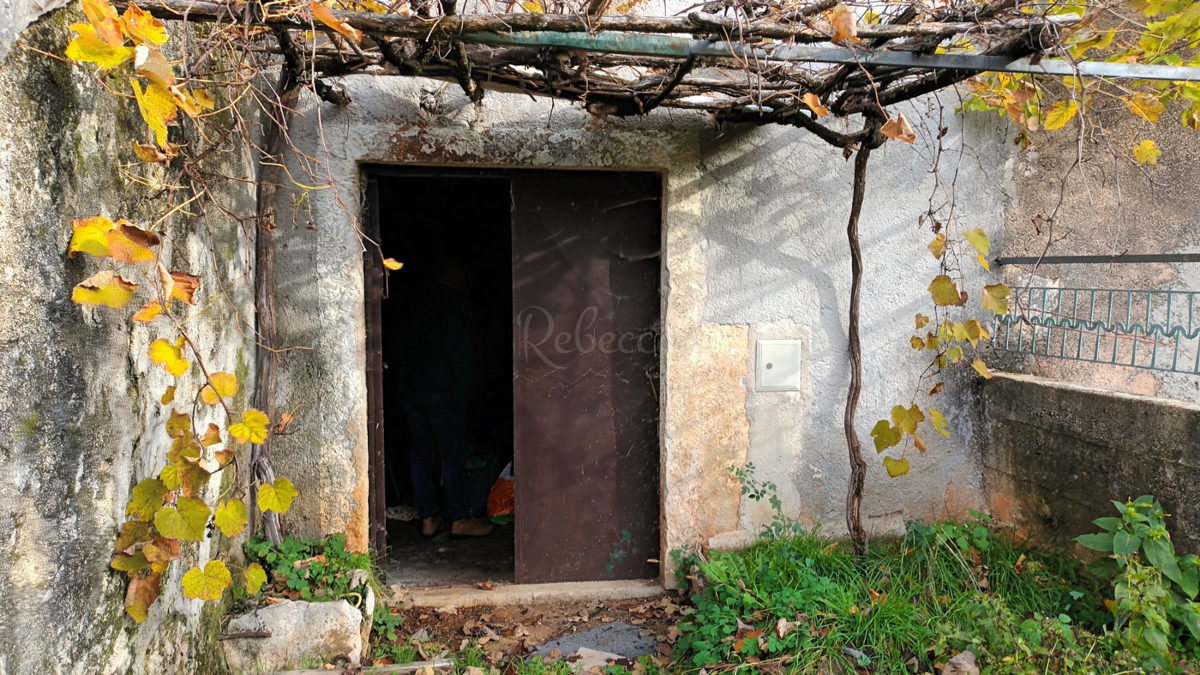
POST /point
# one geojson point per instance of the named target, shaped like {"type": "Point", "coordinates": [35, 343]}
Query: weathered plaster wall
{"type": "Point", "coordinates": [754, 248]}
{"type": "Point", "coordinates": [1109, 206]}
{"type": "Point", "coordinates": [1056, 453]}
{"type": "Point", "coordinates": [80, 420]}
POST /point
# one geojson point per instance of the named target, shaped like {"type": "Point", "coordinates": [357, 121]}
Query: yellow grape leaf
{"type": "Point", "coordinates": [959, 330]}
{"type": "Point", "coordinates": [1147, 153]}
{"type": "Point", "coordinates": [103, 17]}
{"type": "Point", "coordinates": [184, 448]}
{"type": "Point", "coordinates": [995, 298]}
{"type": "Point", "coordinates": [276, 497]}
{"type": "Point", "coordinates": [101, 237]}
{"type": "Point", "coordinates": [89, 47]}
{"type": "Point", "coordinates": [978, 239]}
{"type": "Point", "coordinates": [907, 419]}
{"type": "Point", "coordinates": [184, 286]}
{"type": "Point", "coordinates": [185, 100]}
{"type": "Point", "coordinates": [162, 550]}
{"type": "Point", "coordinates": [938, 247]}
{"type": "Point", "coordinates": [157, 106]}
{"type": "Point", "coordinates": [1145, 106]}
{"type": "Point", "coordinates": [321, 13]}
{"type": "Point", "coordinates": [983, 262]}
{"type": "Point", "coordinates": [148, 312]}
{"type": "Point", "coordinates": [208, 584]}
{"type": "Point", "coordinates": [255, 577]}
{"type": "Point", "coordinates": [252, 428]}
{"type": "Point", "coordinates": [937, 389]}
{"type": "Point", "coordinates": [130, 564]}
{"type": "Point", "coordinates": [142, 592]}
{"type": "Point", "coordinates": [1059, 114]}
{"type": "Point", "coordinates": [148, 152]}
{"type": "Point", "coordinates": [212, 436]}
{"type": "Point", "coordinates": [973, 331]}
{"type": "Point", "coordinates": [132, 534]}
{"type": "Point", "coordinates": [186, 521]}
{"type": "Point", "coordinates": [945, 292]}
{"type": "Point", "coordinates": [203, 99]}
{"type": "Point", "coordinates": [919, 444]}
{"type": "Point", "coordinates": [916, 342]}
{"type": "Point", "coordinates": [898, 129]}
{"type": "Point", "coordinates": [1191, 117]}
{"type": "Point", "coordinates": [221, 385]}
{"type": "Point", "coordinates": [168, 395]}
{"type": "Point", "coordinates": [533, 6]}
{"type": "Point", "coordinates": [146, 500]}
{"type": "Point", "coordinates": [895, 467]}
{"type": "Point", "coordinates": [954, 354]}
{"type": "Point", "coordinates": [131, 244]}
{"type": "Point", "coordinates": [191, 476]}
{"type": "Point", "coordinates": [152, 65]}
{"type": "Point", "coordinates": [178, 424]}
{"type": "Point", "coordinates": [814, 104]}
{"type": "Point", "coordinates": [931, 341]}
{"type": "Point", "coordinates": [231, 517]}
{"type": "Point", "coordinates": [939, 421]}
{"type": "Point", "coordinates": [169, 356]}
{"type": "Point", "coordinates": [845, 25]}
{"type": "Point", "coordinates": [90, 235]}
{"type": "Point", "coordinates": [920, 320]}
{"type": "Point", "coordinates": [981, 368]}
{"type": "Point", "coordinates": [885, 435]}
{"type": "Point", "coordinates": [392, 264]}
{"type": "Point", "coordinates": [141, 26]}
{"type": "Point", "coordinates": [104, 288]}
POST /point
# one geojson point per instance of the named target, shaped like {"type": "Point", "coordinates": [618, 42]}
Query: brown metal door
{"type": "Point", "coordinates": [586, 303]}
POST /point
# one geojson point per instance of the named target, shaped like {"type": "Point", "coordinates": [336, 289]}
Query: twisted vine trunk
{"type": "Point", "coordinates": [858, 466]}
{"type": "Point", "coordinates": [267, 358]}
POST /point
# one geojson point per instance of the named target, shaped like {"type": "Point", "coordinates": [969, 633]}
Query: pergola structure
{"type": "Point", "coordinates": [752, 61]}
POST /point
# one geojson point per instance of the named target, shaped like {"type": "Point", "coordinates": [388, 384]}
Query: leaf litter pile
{"type": "Point", "coordinates": [506, 638]}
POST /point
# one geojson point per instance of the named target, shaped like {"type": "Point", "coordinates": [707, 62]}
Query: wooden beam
{"type": "Point", "coordinates": [454, 27]}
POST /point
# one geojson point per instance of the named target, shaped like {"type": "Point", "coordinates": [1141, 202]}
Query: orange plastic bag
{"type": "Point", "coordinates": [502, 494]}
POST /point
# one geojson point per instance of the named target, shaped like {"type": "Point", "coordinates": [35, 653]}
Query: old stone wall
{"type": "Point", "coordinates": [1055, 454]}
{"type": "Point", "coordinates": [80, 419]}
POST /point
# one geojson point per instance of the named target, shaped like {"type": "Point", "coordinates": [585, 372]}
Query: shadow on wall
{"type": "Point", "coordinates": [1055, 455]}
{"type": "Point", "coordinates": [775, 208]}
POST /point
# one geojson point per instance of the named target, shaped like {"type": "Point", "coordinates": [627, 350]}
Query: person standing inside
{"type": "Point", "coordinates": [438, 345]}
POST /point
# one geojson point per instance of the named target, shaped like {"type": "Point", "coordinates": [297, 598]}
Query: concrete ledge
{"type": "Point", "coordinates": [534, 594]}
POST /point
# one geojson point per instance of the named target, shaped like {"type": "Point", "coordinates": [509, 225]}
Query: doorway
{"type": "Point", "coordinates": [555, 275]}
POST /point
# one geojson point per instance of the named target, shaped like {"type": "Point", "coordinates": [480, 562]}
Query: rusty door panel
{"type": "Point", "coordinates": [373, 283]}
{"type": "Point", "coordinates": [586, 329]}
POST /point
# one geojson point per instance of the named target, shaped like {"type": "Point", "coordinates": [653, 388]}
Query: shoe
{"type": "Point", "coordinates": [469, 527]}
{"type": "Point", "coordinates": [430, 527]}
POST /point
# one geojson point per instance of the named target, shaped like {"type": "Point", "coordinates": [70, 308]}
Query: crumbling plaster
{"type": "Point", "coordinates": [754, 247]}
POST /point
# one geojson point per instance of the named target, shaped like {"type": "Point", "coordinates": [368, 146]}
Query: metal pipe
{"type": "Point", "coordinates": [638, 44]}
{"type": "Point", "coordinates": [1097, 259]}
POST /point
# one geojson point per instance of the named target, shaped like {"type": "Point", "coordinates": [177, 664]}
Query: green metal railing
{"type": "Point", "coordinates": [1156, 330]}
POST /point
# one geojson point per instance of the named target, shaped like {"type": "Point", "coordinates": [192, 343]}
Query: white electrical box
{"type": "Point", "coordinates": [777, 365]}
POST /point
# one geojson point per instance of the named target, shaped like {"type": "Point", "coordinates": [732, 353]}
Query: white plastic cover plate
{"type": "Point", "coordinates": [777, 365]}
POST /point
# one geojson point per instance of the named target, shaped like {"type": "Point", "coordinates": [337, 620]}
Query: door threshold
{"type": "Point", "coordinates": [532, 594]}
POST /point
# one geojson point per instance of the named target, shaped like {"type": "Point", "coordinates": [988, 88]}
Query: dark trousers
{"type": "Point", "coordinates": [437, 427]}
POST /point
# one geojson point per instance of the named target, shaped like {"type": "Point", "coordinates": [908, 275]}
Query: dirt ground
{"type": "Point", "coordinates": [507, 633]}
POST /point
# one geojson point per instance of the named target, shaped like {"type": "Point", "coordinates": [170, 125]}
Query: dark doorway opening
{"type": "Point", "coordinates": [551, 280]}
{"type": "Point", "coordinates": [447, 314]}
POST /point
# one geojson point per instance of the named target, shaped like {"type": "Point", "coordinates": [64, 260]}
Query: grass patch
{"type": "Point", "coordinates": [803, 604]}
